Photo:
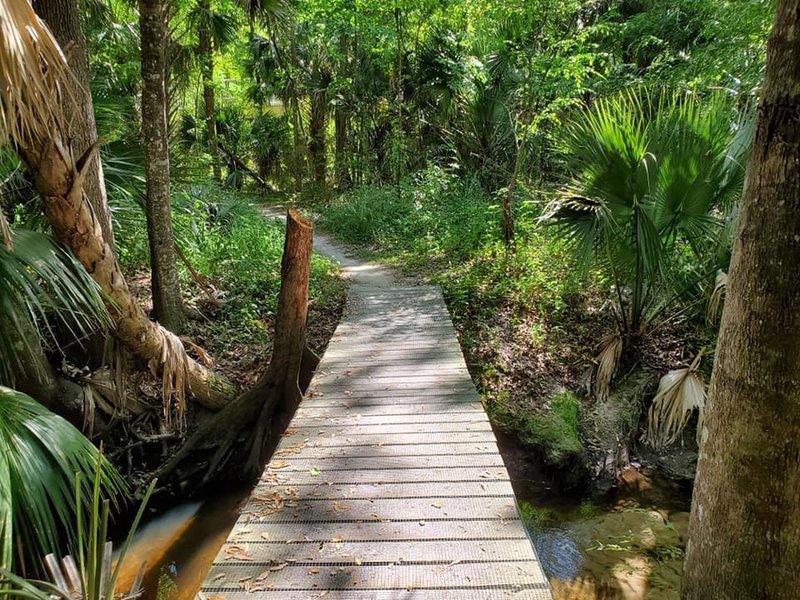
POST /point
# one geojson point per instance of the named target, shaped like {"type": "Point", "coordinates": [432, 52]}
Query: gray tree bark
{"type": "Point", "coordinates": [166, 288]}
{"type": "Point", "coordinates": [61, 17]}
{"type": "Point", "coordinates": [744, 533]}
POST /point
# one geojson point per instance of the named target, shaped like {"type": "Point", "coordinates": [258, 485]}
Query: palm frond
{"type": "Point", "coordinates": [33, 75]}
{"type": "Point", "coordinates": [222, 27]}
{"type": "Point", "coordinates": [40, 453]}
{"type": "Point", "coordinates": [680, 393]}
{"type": "Point", "coordinates": [40, 281]}
{"type": "Point", "coordinates": [607, 364]}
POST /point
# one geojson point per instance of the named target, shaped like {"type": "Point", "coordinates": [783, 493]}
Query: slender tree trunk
{"type": "Point", "coordinates": [744, 533]}
{"type": "Point", "coordinates": [316, 132]}
{"type": "Point", "coordinates": [166, 287]}
{"type": "Point", "coordinates": [342, 124]}
{"type": "Point", "coordinates": [61, 17]}
{"type": "Point", "coordinates": [206, 51]}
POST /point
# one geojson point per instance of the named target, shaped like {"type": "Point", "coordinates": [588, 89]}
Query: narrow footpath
{"type": "Point", "coordinates": [388, 483]}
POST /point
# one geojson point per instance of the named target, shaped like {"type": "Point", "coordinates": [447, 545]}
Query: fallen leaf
{"type": "Point", "coordinates": [313, 571]}
{"type": "Point", "coordinates": [359, 561]}
{"type": "Point", "coordinates": [437, 505]}
{"type": "Point", "coordinates": [314, 471]}
{"type": "Point", "coordinates": [340, 506]}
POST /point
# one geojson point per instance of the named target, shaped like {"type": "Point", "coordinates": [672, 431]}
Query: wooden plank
{"type": "Point", "coordinates": [378, 531]}
{"type": "Point", "coordinates": [387, 461]}
{"type": "Point", "coordinates": [381, 509]}
{"type": "Point", "coordinates": [302, 450]}
{"type": "Point", "coordinates": [425, 489]}
{"type": "Point", "coordinates": [351, 418]}
{"type": "Point", "coordinates": [398, 475]}
{"type": "Point", "coordinates": [536, 591]}
{"type": "Point", "coordinates": [302, 435]}
{"type": "Point", "coordinates": [382, 576]}
{"type": "Point", "coordinates": [310, 409]}
{"type": "Point", "coordinates": [348, 552]}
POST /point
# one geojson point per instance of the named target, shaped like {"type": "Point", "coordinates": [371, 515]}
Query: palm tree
{"type": "Point", "coordinates": [32, 105]}
{"type": "Point", "coordinates": [656, 175]}
{"type": "Point", "coordinates": [41, 284]}
{"type": "Point", "coordinates": [215, 29]}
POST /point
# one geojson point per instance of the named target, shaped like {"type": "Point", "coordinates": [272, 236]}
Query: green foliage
{"type": "Point", "coordinates": [556, 432]}
{"type": "Point", "coordinates": [42, 284]}
{"type": "Point", "coordinates": [655, 176]}
{"type": "Point", "coordinates": [40, 453]}
{"type": "Point", "coordinates": [269, 140]}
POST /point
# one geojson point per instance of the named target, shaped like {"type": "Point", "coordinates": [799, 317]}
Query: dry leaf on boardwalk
{"type": "Point", "coordinates": [237, 552]}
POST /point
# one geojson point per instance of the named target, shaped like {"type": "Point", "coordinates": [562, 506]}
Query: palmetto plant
{"type": "Point", "coordinates": [40, 453]}
{"type": "Point", "coordinates": [655, 177]}
{"type": "Point", "coordinates": [40, 283]}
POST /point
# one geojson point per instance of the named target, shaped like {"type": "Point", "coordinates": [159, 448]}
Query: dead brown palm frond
{"type": "Point", "coordinates": [174, 375]}
{"type": "Point", "coordinates": [607, 364]}
{"type": "Point", "coordinates": [715, 300]}
{"type": "Point", "coordinates": [34, 75]}
{"type": "Point", "coordinates": [680, 392]}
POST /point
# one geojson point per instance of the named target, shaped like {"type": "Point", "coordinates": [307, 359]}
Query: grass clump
{"type": "Point", "coordinates": [556, 432]}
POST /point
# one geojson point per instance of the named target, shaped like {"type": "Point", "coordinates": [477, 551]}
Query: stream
{"type": "Point", "coordinates": [626, 546]}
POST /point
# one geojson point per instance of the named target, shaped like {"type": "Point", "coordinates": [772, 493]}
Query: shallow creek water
{"type": "Point", "coordinates": [626, 546]}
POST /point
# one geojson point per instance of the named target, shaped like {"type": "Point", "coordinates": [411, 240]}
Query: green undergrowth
{"type": "Point", "coordinates": [554, 431]}
{"type": "Point", "coordinates": [237, 250]}
{"type": "Point", "coordinates": [512, 307]}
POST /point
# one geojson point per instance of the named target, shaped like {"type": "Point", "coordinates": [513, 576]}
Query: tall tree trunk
{"type": "Point", "coordinates": [61, 17]}
{"type": "Point", "coordinates": [166, 287]}
{"type": "Point", "coordinates": [744, 533]}
{"type": "Point", "coordinates": [206, 50]}
{"type": "Point", "coordinates": [316, 132]}
{"type": "Point", "coordinates": [342, 124]}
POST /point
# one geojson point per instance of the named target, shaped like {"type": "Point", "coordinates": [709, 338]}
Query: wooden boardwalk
{"type": "Point", "coordinates": [388, 483]}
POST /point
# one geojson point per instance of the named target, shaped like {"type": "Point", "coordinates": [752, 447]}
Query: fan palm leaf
{"type": "Point", "coordinates": [680, 393]}
{"type": "Point", "coordinates": [40, 454]}
{"type": "Point", "coordinates": [651, 170]}
{"type": "Point", "coordinates": [41, 281]}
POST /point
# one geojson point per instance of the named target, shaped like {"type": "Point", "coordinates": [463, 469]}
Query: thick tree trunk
{"type": "Point", "coordinates": [316, 132]}
{"type": "Point", "coordinates": [61, 17]}
{"type": "Point", "coordinates": [75, 225]}
{"type": "Point", "coordinates": [206, 51]}
{"type": "Point", "coordinates": [166, 287]}
{"type": "Point", "coordinates": [744, 534]}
